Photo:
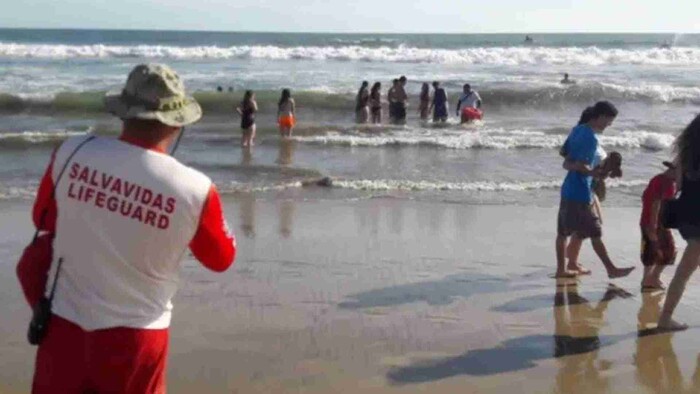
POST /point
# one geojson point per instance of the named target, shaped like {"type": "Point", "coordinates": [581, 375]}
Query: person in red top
{"type": "Point", "coordinates": [658, 247]}
{"type": "Point", "coordinates": [109, 334]}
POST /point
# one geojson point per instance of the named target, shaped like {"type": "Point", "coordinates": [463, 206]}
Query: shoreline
{"type": "Point", "coordinates": [391, 296]}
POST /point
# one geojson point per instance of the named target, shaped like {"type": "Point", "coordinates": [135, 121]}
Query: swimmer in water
{"type": "Point", "coordinates": [567, 81]}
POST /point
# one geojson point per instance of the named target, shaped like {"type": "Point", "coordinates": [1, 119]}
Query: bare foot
{"type": "Point", "coordinates": [620, 272]}
{"type": "Point", "coordinates": [565, 274]}
{"type": "Point", "coordinates": [671, 325]}
{"type": "Point", "coordinates": [578, 269]}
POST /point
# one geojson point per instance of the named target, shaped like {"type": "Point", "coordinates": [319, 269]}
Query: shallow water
{"type": "Point", "coordinates": [52, 82]}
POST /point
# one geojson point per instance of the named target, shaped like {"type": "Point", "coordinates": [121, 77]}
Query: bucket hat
{"type": "Point", "coordinates": [155, 92]}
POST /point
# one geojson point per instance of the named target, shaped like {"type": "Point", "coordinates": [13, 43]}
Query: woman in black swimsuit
{"type": "Point", "coordinates": [247, 111]}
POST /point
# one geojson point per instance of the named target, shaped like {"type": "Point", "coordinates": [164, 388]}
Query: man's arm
{"type": "Point", "coordinates": [213, 244]}
{"type": "Point", "coordinates": [578, 166]}
{"type": "Point", "coordinates": [44, 210]}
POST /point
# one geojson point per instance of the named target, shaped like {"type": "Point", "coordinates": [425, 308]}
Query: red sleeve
{"type": "Point", "coordinates": [669, 189]}
{"type": "Point", "coordinates": [213, 244]}
{"type": "Point", "coordinates": [45, 202]}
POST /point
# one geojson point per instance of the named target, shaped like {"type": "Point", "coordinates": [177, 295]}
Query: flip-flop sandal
{"type": "Point", "coordinates": [646, 289]}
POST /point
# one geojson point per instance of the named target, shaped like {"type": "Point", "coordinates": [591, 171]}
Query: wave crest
{"type": "Point", "coordinates": [506, 56]}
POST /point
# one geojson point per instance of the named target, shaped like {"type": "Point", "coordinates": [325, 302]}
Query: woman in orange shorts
{"type": "Point", "coordinates": [285, 113]}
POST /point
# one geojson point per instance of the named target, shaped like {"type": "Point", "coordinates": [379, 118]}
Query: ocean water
{"type": "Point", "coordinates": [52, 83]}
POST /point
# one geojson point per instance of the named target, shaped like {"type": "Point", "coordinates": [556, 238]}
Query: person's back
{"type": "Point", "coordinates": [123, 214]}
{"type": "Point", "coordinates": [285, 107]}
{"type": "Point", "coordinates": [129, 215]}
{"type": "Point", "coordinates": [440, 97]}
{"type": "Point", "coordinates": [470, 99]}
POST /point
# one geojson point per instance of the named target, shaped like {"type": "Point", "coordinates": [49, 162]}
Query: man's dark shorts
{"type": "Point", "coordinates": [689, 231]}
{"type": "Point", "coordinates": [578, 218]}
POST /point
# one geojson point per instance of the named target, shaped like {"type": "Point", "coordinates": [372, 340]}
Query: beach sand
{"type": "Point", "coordinates": [392, 295]}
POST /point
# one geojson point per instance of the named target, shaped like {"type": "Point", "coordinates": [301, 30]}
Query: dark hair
{"type": "Point", "coordinates": [601, 108]}
{"type": "Point", "coordinates": [376, 86]}
{"type": "Point", "coordinates": [687, 149]}
{"type": "Point", "coordinates": [403, 78]}
{"type": "Point", "coordinates": [219, 89]}
{"type": "Point", "coordinates": [247, 99]}
{"type": "Point", "coordinates": [286, 95]}
{"type": "Point", "coordinates": [395, 81]}
{"type": "Point", "coordinates": [425, 91]}
{"type": "Point", "coordinates": [365, 84]}
{"type": "Point", "coordinates": [467, 86]}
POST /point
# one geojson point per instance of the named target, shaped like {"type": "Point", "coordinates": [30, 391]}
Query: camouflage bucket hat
{"type": "Point", "coordinates": [154, 91]}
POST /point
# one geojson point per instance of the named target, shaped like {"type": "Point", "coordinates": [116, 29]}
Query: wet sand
{"type": "Point", "coordinates": [390, 295]}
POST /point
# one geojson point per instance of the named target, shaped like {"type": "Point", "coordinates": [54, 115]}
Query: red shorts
{"type": "Point", "coordinates": [287, 121]}
{"type": "Point", "coordinates": [115, 360]}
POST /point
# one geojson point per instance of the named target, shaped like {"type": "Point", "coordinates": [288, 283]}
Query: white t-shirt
{"type": "Point", "coordinates": [469, 99]}
{"type": "Point", "coordinates": [125, 218]}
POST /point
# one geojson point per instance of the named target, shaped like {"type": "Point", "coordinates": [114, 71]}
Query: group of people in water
{"type": "Point", "coordinates": [368, 103]}
{"type": "Point", "coordinates": [368, 107]}
{"type": "Point", "coordinates": [286, 115]}
{"type": "Point", "coordinates": [579, 214]}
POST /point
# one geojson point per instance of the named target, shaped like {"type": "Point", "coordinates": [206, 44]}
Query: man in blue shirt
{"type": "Point", "coordinates": [577, 217]}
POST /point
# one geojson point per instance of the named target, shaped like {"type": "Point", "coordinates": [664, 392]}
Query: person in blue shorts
{"type": "Point", "coordinates": [577, 217]}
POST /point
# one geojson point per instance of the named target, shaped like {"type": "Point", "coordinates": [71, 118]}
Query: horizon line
{"type": "Point", "coordinates": [349, 32]}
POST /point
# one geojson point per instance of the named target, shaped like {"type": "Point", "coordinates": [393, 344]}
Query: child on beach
{"type": "Point", "coordinates": [286, 113]}
{"type": "Point", "coordinates": [247, 110]}
{"type": "Point", "coordinates": [658, 247]}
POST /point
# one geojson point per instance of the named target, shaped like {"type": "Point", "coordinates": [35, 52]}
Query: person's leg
{"type": "Point", "coordinates": [648, 275]}
{"type": "Point", "coordinates": [688, 265]}
{"type": "Point", "coordinates": [572, 252]}
{"type": "Point", "coordinates": [602, 252]}
{"type": "Point", "coordinates": [251, 136]}
{"type": "Point", "coordinates": [560, 248]}
{"type": "Point", "coordinates": [656, 276]}
{"type": "Point", "coordinates": [127, 360]}
{"type": "Point", "coordinates": [60, 364]}
{"type": "Point", "coordinates": [563, 234]}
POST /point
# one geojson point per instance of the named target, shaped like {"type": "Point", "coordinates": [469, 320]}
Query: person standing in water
{"type": "Point", "coordinates": [688, 170]}
{"type": "Point", "coordinates": [247, 110]}
{"type": "Point", "coordinates": [424, 106]}
{"type": "Point", "coordinates": [375, 103]}
{"type": "Point", "coordinates": [286, 116]}
{"type": "Point", "coordinates": [439, 104]}
{"type": "Point", "coordinates": [391, 96]}
{"type": "Point", "coordinates": [468, 101]}
{"type": "Point", "coordinates": [401, 100]}
{"type": "Point", "coordinates": [577, 216]}
{"type": "Point", "coordinates": [362, 104]}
